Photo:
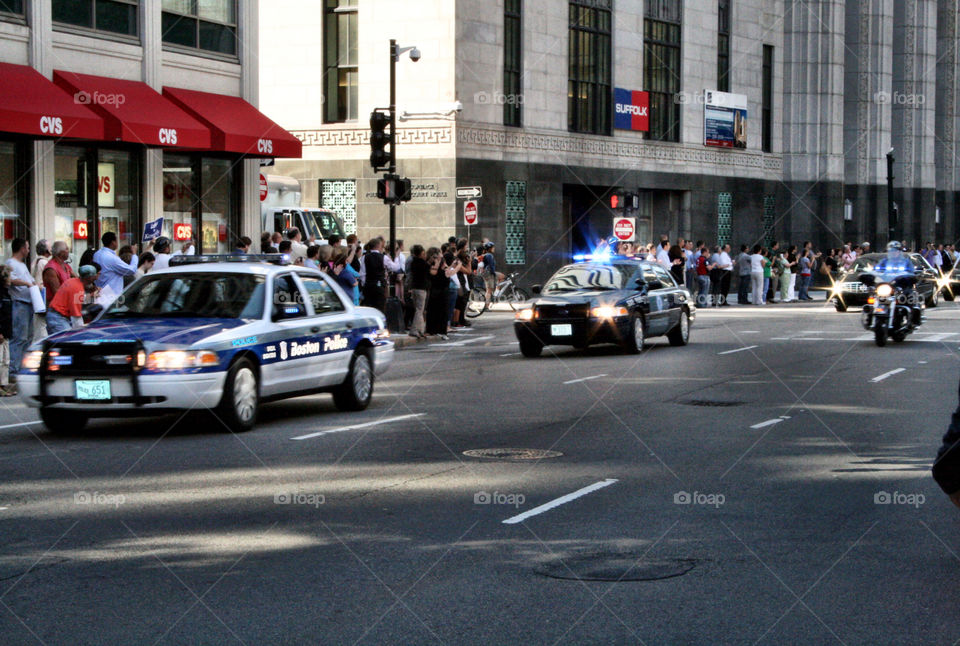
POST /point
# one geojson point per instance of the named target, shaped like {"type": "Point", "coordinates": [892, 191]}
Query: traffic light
{"type": "Point", "coordinates": [380, 140]}
{"type": "Point", "coordinates": [616, 202]}
{"type": "Point", "coordinates": [393, 189]}
{"type": "Point", "coordinates": [620, 200]}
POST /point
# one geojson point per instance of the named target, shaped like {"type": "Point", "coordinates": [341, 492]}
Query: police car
{"type": "Point", "coordinates": [221, 333]}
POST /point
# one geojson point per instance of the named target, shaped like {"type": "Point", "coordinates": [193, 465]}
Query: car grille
{"type": "Point", "coordinates": [562, 312]}
{"type": "Point", "coordinates": [102, 359]}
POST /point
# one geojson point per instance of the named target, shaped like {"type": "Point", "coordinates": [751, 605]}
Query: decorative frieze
{"type": "Point", "coordinates": [344, 137]}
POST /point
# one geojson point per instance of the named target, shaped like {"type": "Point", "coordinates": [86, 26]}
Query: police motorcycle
{"type": "Point", "coordinates": [894, 309]}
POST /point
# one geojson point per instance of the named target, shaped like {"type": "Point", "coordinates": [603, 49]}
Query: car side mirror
{"type": "Point", "coordinates": [536, 289]}
{"type": "Point", "coordinates": [282, 311]}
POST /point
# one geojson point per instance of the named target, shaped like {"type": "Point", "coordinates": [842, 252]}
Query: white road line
{"type": "Point", "coordinates": [921, 362]}
{"type": "Point", "coordinates": [513, 520]}
{"type": "Point", "coordinates": [4, 508]}
{"type": "Point", "coordinates": [937, 338]}
{"type": "Point", "coordinates": [887, 374]}
{"type": "Point", "coordinates": [749, 332]}
{"type": "Point", "coordinates": [20, 424]}
{"type": "Point", "coordinates": [460, 343]}
{"type": "Point", "coordinates": [749, 347]}
{"type": "Point", "coordinates": [510, 354]}
{"type": "Point", "coordinates": [770, 422]}
{"type": "Point", "coordinates": [780, 338]}
{"type": "Point", "coordinates": [352, 427]}
{"type": "Point", "coordinates": [576, 381]}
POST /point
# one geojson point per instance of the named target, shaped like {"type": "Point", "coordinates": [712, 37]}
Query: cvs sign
{"type": "Point", "coordinates": [182, 232]}
{"type": "Point", "coordinates": [51, 125]}
{"type": "Point", "coordinates": [168, 136]}
{"type": "Point", "coordinates": [265, 146]}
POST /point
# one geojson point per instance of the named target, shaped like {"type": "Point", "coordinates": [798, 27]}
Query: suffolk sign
{"type": "Point", "coordinates": [631, 110]}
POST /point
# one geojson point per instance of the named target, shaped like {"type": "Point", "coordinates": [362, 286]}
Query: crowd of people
{"type": "Point", "coordinates": [763, 275]}
{"type": "Point", "coordinates": [431, 284]}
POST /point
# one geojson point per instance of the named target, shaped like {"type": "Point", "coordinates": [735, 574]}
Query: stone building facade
{"type": "Point", "coordinates": [830, 87]}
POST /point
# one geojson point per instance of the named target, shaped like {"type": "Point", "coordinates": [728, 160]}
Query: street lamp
{"type": "Point", "coordinates": [395, 52]}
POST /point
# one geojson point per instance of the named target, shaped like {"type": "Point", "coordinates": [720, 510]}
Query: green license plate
{"type": "Point", "coordinates": [92, 389]}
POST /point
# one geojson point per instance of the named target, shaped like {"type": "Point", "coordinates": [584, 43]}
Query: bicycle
{"type": "Point", "coordinates": [506, 291]}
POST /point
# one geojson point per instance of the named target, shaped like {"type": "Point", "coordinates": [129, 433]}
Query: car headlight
{"type": "Point", "coordinates": [382, 334]}
{"type": "Point", "coordinates": [885, 290]}
{"type": "Point", "coordinates": [31, 360]}
{"type": "Point", "coordinates": [608, 312]}
{"type": "Point", "coordinates": [526, 314]}
{"type": "Point", "coordinates": [181, 359]}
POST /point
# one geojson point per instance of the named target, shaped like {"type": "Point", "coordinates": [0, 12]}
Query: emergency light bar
{"type": "Point", "coordinates": [271, 258]}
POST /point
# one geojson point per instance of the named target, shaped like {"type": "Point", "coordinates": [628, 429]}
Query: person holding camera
{"type": "Point", "coordinates": [375, 276]}
{"type": "Point", "coordinates": [438, 307]}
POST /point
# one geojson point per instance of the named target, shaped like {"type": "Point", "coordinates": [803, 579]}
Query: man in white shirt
{"type": "Point", "coordinates": [690, 265]}
{"type": "Point", "coordinates": [161, 253]}
{"type": "Point", "coordinates": [297, 248]}
{"type": "Point", "coordinates": [663, 255]}
{"type": "Point", "coordinates": [726, 271]}
{"type": "Point", "coordinates": [22, 316]}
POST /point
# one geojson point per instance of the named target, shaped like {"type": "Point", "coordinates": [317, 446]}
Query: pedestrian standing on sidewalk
{"type": "Point", "coordinates": [756, 275]}
{"type": "Point", "coordinates": [6, 333]}
{"type": "Point", "coordinates": [806, 275]}
{"type": "Point", "coordinates": [437, 307]}
{"type": "Point", "coordinates": [768, 262]}
{"type": "Point", "coordinates": [419, 275]}
{"type": "Point", "coordinates": [788, 262]}
{"type": "Point", "coordinates": [703, 279]}
{"type": "Point", "coordinates": [690, 267]}
{"type": "Point", "coordinates": [742, 264]}
{"type": "Point", "coordinates": [726, 271]}
{"type": "Point", "coordinates": [22, 311]}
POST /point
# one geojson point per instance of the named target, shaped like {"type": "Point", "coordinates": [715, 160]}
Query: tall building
{"type": "Point", "coordinates": [739, 121]}
{"type": "Point", "coordinates": [114, 114]}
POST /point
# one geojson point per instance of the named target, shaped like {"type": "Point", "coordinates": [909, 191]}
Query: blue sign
{"type": "Point", "coordinates": [152, 230]}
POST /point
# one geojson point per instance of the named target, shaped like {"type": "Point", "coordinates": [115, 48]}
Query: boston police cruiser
{"type": "Point", "coordinates": [222, 333]}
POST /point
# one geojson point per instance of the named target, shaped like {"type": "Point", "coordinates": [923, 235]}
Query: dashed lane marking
{"type": "Point", "coordinates": [887, 374]}
{"type": "Point", "coordinates": [749, 347]}
{"type": "Point", "coordinates": [385, 420]}
{"type": "Point", "coordinates": [576, 381]}
{"type": "Point", "coordinates": [513, 520]}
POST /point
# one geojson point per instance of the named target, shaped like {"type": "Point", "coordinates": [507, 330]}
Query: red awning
{"type": "Point", "coordinates": [32, 105]}
{"type": "Point", "coordinates": [237, 126]}
{"type": "Point", "coordinates": [134, 112]}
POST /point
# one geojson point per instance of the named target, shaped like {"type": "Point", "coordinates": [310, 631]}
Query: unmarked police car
{"type": "Point", "coordinates": [221, 333]}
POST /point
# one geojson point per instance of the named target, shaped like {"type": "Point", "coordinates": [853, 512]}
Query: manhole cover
{"type": "Point", "coordinates": [706, 402]}
{"type": "Point", "coordinates": [512, 454]}
{"type": "Point", "coordinates": [614, 567]}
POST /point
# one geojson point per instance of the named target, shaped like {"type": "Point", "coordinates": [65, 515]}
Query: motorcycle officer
{"type": "Point", "coordinates": [897, 268]}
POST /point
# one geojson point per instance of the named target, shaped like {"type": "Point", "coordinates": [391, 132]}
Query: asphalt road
{"type": "Point", "coordinates": [769, 483]}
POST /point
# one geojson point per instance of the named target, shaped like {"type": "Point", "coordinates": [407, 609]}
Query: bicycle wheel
{"type": "Point", "coordinates": [516, 297]}
{"type": "Point", "coordinates": [476, 303]}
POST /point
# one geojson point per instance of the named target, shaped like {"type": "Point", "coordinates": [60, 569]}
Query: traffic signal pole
{"type": "Point", "coordinates": [394, 55]}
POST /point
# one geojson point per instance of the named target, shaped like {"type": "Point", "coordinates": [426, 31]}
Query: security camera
{"type": "Point", "coordinates": [414, 54]}
{"type": "Point", "coordinates": [457, 106]}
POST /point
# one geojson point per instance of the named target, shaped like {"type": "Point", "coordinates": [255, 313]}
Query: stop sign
{"type": "Point", "coordinates": [624, 229]}
{"type": "Point", "coordinates": [470, 212]}
{"type": "Point", "coordinates": [263, 187]}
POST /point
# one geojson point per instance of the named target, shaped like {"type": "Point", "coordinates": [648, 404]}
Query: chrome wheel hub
{"type": "Point", "coordinates": [362, 378]}
{"type": "Point", "coordinates": [245, 394]}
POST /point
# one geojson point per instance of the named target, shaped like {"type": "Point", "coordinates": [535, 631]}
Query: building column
{"type": "Point", "coordinates": [41, 200]}
{"type": "Point", "coordinates": [947, 118]}
{"type": "Point", "coordinates": [248, 39]}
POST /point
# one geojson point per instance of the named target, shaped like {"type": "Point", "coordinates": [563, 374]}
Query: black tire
{"type": "Point", "coordinates": [880, 335]}
{"type": "Point", "coordinates": [934, 299]}
{"type": "Point", "coordinates": [636, 336]}
{"type": "Point", "coordinates": [680, 334]}
{"type": "Point", "coordinates": [476, 303]}
{"type": "Point", "coordinates": [530, 346]}
{"type": "Point", "coordinates": [356, 391]}
{"type": "Point", "coordinates": [899, 337]}
{"type": "Point", "coordinates": [240, 403]}
{"type": "Point", "coordinates": [948, 295]}
{"type": "Point", "coordinates": [63, 422]}
{"type": "Point", "coordinates": [840, 306]}
{"type": "Point", "coordinates": [515, 297]}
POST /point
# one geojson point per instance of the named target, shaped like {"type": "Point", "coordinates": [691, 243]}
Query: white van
{"type": "Point", "coordinates": [281, 210]}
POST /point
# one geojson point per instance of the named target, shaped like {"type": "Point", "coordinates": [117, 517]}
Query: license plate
{"type": "Point", "coordinates": [562, 329]}
{"type": "Point", "coordinates": [92, 389]}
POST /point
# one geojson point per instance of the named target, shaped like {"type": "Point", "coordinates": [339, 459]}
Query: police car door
{"type": "Point", "coordinates": [332, 328]}
{"type": "Point", "coordinates": [289, 358]}
{"type": "Point", "coordinates": [669, 294]}
{"type": "Point", "coordinates": [657, 301]}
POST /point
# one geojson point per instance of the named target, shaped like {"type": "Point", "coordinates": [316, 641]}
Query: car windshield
{"type": "Point", "coordinates": [574, 277]}
{"type": "Point", "coordinates": [328, 223]}
{"type": "Point", "coordinates": [196, 295]}
{"type": "Point", "coordinates": [867, 263]}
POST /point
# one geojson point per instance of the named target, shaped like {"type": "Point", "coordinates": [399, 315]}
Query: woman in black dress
{"type": "Point", "coordinates": [437, 303]}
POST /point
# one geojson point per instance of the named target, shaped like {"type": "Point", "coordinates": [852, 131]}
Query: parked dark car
{"type": "Point", "coordinates": [623, 300]}
{"type": "Point", "coordinates": [849, 291]}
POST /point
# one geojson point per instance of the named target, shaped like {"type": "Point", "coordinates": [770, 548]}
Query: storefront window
{"type": "Point", "coordinates": [202, 208]}
{"type": "Point", "coordinates": [88, 203]}
{"type": "Point", "coordinates": [179, 198]}
{"type": "Point", "coordinates": [216, 204]}
{"type": "Point", "coordinates": [11, 198]}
